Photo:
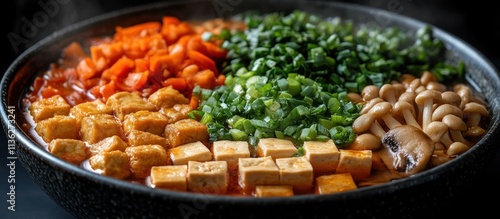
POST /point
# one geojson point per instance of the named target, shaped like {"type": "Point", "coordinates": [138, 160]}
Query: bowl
{"type": "Point", "coordinates": [88, 195]}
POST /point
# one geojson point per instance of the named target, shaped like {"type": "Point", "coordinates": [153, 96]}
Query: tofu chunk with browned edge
{"type": "Point", "coordinates": [297, 172]}
{"type": "Point", "coordinates": [85, 109]}
{"type": "Point", "coordinates": [208, 177]}
{"type": "Point", "coordinates": [176, 113]}
{"type": "Point", "coordinates": [194, 151]}
{"type": "Point", "coordinates": [112, 143]}
{"type": "Point", "coordinates": [334, 183]}
{"type": "Point", "coordinates": [147, 121]}
{"type": "Point", "coordinates": [185, 131]}
{"type": "Point", "coordinates": [230, 151]}
{"type": "Point", "coordinates": [95, 128]}
{"type": "Point", "coordinates": [136, 137]}
{"type": "Point", "coordinates": [71, 150]}
{"type": "Point", "coordinates": [273, 191]}
{"type": "Point", "coordinates": [143, 157]}
{"type": "Point", "coordinates": [173, 177]}
{"type": "Point", "coordinates": [167, 97]}
{"type": "Point", "coordinates": [124, 103]}
{"type": "Point", "coordinates": [323, 156]}
{"type": "Point", "coordinates": [49, 107]}
{"type": "Point", "coordinates": [58, 126]}
{"type": "Point", "coordinates": [254, 171]}
{"type": "Point", "coordinates": [111, 163]}
{"type": "Point", "coordinates": [357, 163]}
{"type": "Point", "coordinates": [275, 148]}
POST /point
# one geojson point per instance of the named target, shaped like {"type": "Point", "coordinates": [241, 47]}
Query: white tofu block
{"type": "Point", "coordinates": [255, 171]}
{"type": "Point", "coordinates": [230, 151]}
{"type": "Point", "coordinates": [273, 191]}
{"type": "Point", "coordinates": [334, 183]}
{"type": "Point", "coordinates": [172, 177]}
{"type": "Point", "coordinates": [208, 177]}
{"type": "Point", "coordinates": [195, 151]}
{"type": "Point", "coordinates": [323, 156]}
{"type": "Point", "coordinates": [297, 172]}
{"type": "Point", "coordinates": [275, 148]}
{"type": "Point", "coordinates": [357, 163]}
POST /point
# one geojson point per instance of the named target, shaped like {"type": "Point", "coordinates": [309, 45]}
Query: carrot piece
{"type": "Point", "coordinates": [221, 79]}
{"type": "Point", "coordinates": [133, 81]}
{"type": "Point", "coordinates": [160, 62]}
{"type": "Point", "coordinates": [121, 67]}
{"type": "Point", "coordinates": [73, 53]}
{"type": "Point", "coordinates": [179, 84]}
{"type": "Point", "coordinates": [188, 71]}
{"type": "Point", "coordinates": [170, 20]}
{"type": "Point", "coordinates": [86, 69]}
{"type": "Point", "coordinates": [107, 90]}
{"type": "Point", "coordinates": [194, 102]}
{"type": "Point", "coordinates": [204, 79]}
{"type": "Point", "coordinates": [50, 91]}
{"type": "Point", "coordinates": [215, 52]}
{"type": "Point", "coordinates": [135, 30]}
{"type": "Point", "coordinates": [141, 65]}
{"type": "Point", "coordinates": [203, 61]}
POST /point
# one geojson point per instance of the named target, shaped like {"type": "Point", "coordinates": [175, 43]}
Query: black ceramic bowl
{"type": "Point", "coordinates": [88, 195]}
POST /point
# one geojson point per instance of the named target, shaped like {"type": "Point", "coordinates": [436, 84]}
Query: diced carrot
{"type": "Point", "coordinates": [170, 20]}
{"type": "Point", "coordinates": [203, 61]}
{"type": "Point", "coordinates": [215, 52]}
{"type": "Point", "coordinates": [133, 81]}
{"type": "Point", "coordinates": [204, 79]}
{"type": "Point", "coordinates": [221, 80]}
{"type": "Point", "coordinates": [135, 30]}
{"type": "Point", "coordinates": [141, 65]}
{"type": "Point", "coordinates": [179, 84]}
{"type": "Point", "coordinates": [158, 63]}
{"type": "Point", "coordinates": [86, 69]}
{"type": "Point", "coordinates": [107, 90]}
{"type": "Point", "coordinates": [188, 71]}
{"type": "Point", "coordinates": [194, 102]}
{"type": "Point", "coordinates": [49, 91]}
{"type": "Point", "coordinates": [72, 54]}
{"type": "Point", "coordinates": [121, 67]}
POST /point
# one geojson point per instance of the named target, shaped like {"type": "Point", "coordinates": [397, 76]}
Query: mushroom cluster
{"type": "Point", "coordinates": [416, 123]}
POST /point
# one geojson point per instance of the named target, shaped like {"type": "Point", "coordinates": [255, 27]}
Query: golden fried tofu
{"type": "Point", "coordinates": [49, 107]}
{"type": "Point", "coordinates": [95, 128]}
{"type": "Point", "coordinates": [297, 172]}
{"type": "Point", "coordinates": [58, 126]}
{"type": "Point", "coordinates": [173, 177]}
{"type": "Point", "coordinates": [89, 108]}
{"type": "Point", "coordinates": [230, 151]}
{"type": "Point", "coordinates": [323, 156]}
{"type": "Point", "coordinates": [143, 157]}
{"type": "Point", "coordinates": [254, 171]}
{"type": "Point", "coordinates": [71, 150]}
{"type": "Point", "coordinates": [176, 113]}
{"type": "Point", "coordinates": [357, 163]}
{"type": "Point", "coordinates": [143, 120]}
{"type": "Point", "coordinates": [167, 97]}
{"type": "Point", "coordinates": [275, 148]}
{"type": "Point", "coordinates": [195, 151]}
{"type": "Point", "coordinates": [334, 183]}
{"type": "Point", "coordinates": [124, 103]}
{"type": "Point", "coordinates": [185, 131]}
{"type": "Point", "coordinates": [108, 144]}
{"type": "Point", "coordinates": [111, 163]}
{"type": "Point", "coordinates": [273, 191]}
{"type": "Point", "coordinates": [207, 177]}
{"type": "Point", "coordinates": [136, 137]}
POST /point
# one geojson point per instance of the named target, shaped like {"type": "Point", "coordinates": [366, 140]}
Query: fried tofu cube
{"type": "Point", "coordinates": [56, 127]}
{"type": "Point", "coordinates": [185, 131]}
{"type": "Point", "coordinates": [173, 177]}
{"type": "Point", "coordinates": [49, 107]}
{"type": "Point", "coordinates": [112, 143]}
{"type": "Point", "coordinates": [167, 97]}
{"type": "Point", "coordinates": [357, 163]}
{"type": "Point", "coordinates": [273, 191]}
{"type": "Point", "coordinates": [95, 128]}
{"type": "Point", "coordinates": [111, 163]}
{"type": "Point", "coordinates": [136, 137]}
{"type": "Point", "coordinates": [89, 108]}
{"type": "Point", "coordinates": [176, 113]}
{"type": "Point", "coordinates": [275, 148]}
{"type": "Point", "coordinates": [208, 177]}
{"type": "Point", "coordinates": [124, 103]}
{"type": "Point", "coordinates": [152, 122]}
{"type": "Point", "coordinates": [143, 157]}
{"type": "Point", "coordinates": [297, 172]}
{"type": "Point", "coordinates": [195, 151]}
{"type": "Point", "coordinates": [334, 183]}
{"type": "Point", "coordinates": [323, 156]}
{"type": "Point", "coordinates": [71, 150]}
{"type": "Point", "coordinates": [256, 171]}
{"type": "Point", "coordinates": [230, 151]}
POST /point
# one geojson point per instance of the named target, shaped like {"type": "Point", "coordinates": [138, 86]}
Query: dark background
{"type": "Point", "coordinates": [474, 22]}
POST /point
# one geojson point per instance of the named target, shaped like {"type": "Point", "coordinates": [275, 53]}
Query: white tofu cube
{"type": "Point", "coordinates": [275, 148]}
{"type": "Point", "coordinates": [334, 183]}
{"type": "Point", "coordinates": [208, 177]}
{"type": "Point", "coordinates": [358, 163]}
{"type": "Point", "coordinates": [230, 151]}
{"type": "Point", "coordinates": [273, 191]}
{"type": "Point", "coordinates": [255, 171]}
{"type": "Point", "coordinates": [172, 177]}
{"type": "Point", "coordinates": [195, 151]}
{"type": "Point", "coordinates": [297, 172]}
{"type": "Point", "coordinates": [323, 156]}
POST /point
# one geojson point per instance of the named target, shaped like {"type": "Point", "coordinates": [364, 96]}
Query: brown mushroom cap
{"type": "Point", "coordinates": [369, 92]}
{"type": "Point", "coordinates": [452, 98]}
{"type": "Point", "coordinates": [465, 94]}
{"type": "Point", "coordinates": [388, 92]}
{"type": "Point", "coordinates": [427, 77]}
{"type": "Point", "coordinates": [445, 109]}
{"type": "Point", "coordinates": [369, 104]}
{"type": "Point", "coordinates": [474, 111]}
{"type": "Point", "coordinates": [407, 111]}
{"type": "Point", "coordinates": [383, 110]}
{"type": "Point", "coordinates": [454, 122]}
{"type": "Point", "coordinates": [435, 130]}
{"type": "Point", "coordinates": [366, 141]}
{"type": "Point", "coordinates": [363, 123]}
{"type": "Point", "coordinates": [408, 97]}
{"type": "Point", "coordinates": [434, 85]}
{"type": "Point", "coordinates": [426, 99]}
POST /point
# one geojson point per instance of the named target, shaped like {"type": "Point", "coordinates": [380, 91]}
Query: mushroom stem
{"type": "Point", "coordinates": [410, 120]}
{"type": "Point", "coordinates": [446, 140]}
{"type": "Point", "coordinates": [377, 129]}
